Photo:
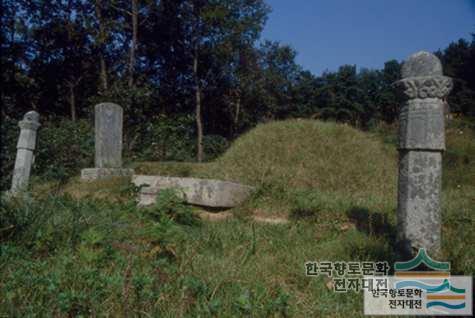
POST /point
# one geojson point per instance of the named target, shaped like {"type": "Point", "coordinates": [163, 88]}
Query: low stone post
{"type": "Point", "coordinates": [421, 144]}
{"type": "Point", "coordinates": [108, 144]}
{"type": "Point", "coordinates": [25, 148]}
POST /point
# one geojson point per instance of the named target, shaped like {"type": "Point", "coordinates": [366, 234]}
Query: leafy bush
{"type": "Point", "coordinates": [9, 133]}
{"type": "Point", "coordinates": [165, 138]}
{"type": "Point", "coordinates": [171, 206]}
{"type": "Point", "coordinates": [47, 224]}
{"type": "Point", "coordinates": [172, 139]}
{"type": "Point", "coordinates": [15, 217]}
{"type": "Point", "coordinates": [214, 146]}
{"type": "Point", "coordinates": [63, 149]}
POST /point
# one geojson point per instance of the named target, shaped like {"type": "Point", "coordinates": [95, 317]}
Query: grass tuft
{"type": "Point", "coordinates": [87, 250]}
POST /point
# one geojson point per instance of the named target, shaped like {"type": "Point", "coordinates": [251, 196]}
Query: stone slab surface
{"type": "Point", "coordinates": [205, 192]}
{"type": "Point", "coordinates": [420, 187]}
{"type": "Point", "coordinates": [104, 173]}
{"type": "Point", "coordinates": [108, 131]}
{"type": "Point", "coordinates": [422, 125]}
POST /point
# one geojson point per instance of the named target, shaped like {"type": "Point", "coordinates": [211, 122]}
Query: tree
{"type": "Point", "coordinates": [388, 101]}
{"type": "Point", "coordinates": [61, 59]}
{"type": "Point", "coordinates": [213, 31]}
{"type": "Point", "coordinates": [101, 42]}
{"type": "Point", "coordinates": [458, 61]}
{"type": "Point", "coordinates": [280, 74]}
{"type": "Point", "coordinates": [15, 89]}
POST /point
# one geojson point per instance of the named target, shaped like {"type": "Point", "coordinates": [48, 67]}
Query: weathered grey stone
{"type": "Point", "coordinates": [25, 148]}
{"type": "Point", "coordinates": [421, 64]}
{"type": "Point", "coordinates": [205, 192]}
{"type": "Point", "coordinates": [419, 198]}
{"type": "Point", "coordinates": [90, 174]}
{"type": "Point", "coordinates": [108, 144]}
{"type": "Point", "coordinates": [108, 129]}
{"type": "Point", "coordinates": [421, 143]}
{"type": "Point", "coordinates": [421, 125]}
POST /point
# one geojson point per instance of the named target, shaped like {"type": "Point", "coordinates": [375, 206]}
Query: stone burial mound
{"type": "Point", "coordinates": [203, 192]}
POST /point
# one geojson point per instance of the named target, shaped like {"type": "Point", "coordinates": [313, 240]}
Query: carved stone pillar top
{"type": "Point", "coordinates": [421, 119]}
{"type": "Point", "coordinates": [29, 125]}
{"type": "Point", "coordinates": [422, 78]}
{"type": "Point", "coordinates": [422, 87]}
{"type": "Point", "coordinates": [31, 120]}
{"type": "Point", "coordinates": [421, 64]}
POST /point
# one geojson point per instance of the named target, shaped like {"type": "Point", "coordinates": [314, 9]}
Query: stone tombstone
{"type": "Point", "coordinates": [108, 143]}
{"type": "Point", "coordinates": [421, 144]}
{"type": "Point", "coordinates": [25, 151]}
{"type": "Point", "coordinates": [108, 131]}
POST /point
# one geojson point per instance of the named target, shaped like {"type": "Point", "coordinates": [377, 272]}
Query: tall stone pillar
{"type": "Point", "coordinates": [25, 147]}
{"type": "Point", "coordinates": [421, 144]}
{"type": "Point", "coordinates": [108, 129]}
{"type": "Point", "coordinates": [108, 144]}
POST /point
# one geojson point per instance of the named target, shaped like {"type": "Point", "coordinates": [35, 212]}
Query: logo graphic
{"type": "Point", "coordinates": [442, 295]}
{"type": "Point", "coordinates": [421, 258]}
{"type": "Point", "coordinates": [422, 286]}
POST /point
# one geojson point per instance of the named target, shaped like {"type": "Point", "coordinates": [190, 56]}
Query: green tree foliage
{"type": "Point", "coordinates": [459, 63]}
{"type": "Point", "coordinates": [198, 65]}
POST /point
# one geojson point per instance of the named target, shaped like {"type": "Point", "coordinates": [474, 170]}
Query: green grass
{"type": "Point", "coordinates": [88, 251]}
{"type": "Point", "coordinates": [322, 170]}
{"type": "Point", "coordinates": [88, 258]}
{"type": "Point", "coordinates": [280, 158]}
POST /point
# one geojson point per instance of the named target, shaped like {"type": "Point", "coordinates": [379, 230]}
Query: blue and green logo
{"type": "Point", "coordinates": [422, 258]}
{"type": "Point", "coordinates": [442, 294]}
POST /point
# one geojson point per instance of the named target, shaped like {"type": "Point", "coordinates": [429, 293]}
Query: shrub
{"type": "Point", "coordinates": [9, 133]}
{"type": "Point", "coordinates": [214, 146]}
{"type": "Point", "coordinates": [170, 205]}
{"type": "Point", "coordinates": [47, 223]}
{"type": "Point", "coordinates": [172, 139]}
{"type": "Point", "coordinates": [63, 148]}
{"type": "Point", "coordinates": [15, 217]}
{"type": "Point", "coordinates": [165, 138]}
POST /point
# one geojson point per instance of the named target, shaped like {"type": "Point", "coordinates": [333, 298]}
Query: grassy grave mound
{"type": "Point", "coordinates": [311, 154]}
{"type": "Point", "coordinates": [338, 162]}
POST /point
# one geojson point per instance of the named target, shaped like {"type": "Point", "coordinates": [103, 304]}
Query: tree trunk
{"type": "Point", "coordinates": [72, 101]}
{"type": "Point", "coordinates": [71, 83]}
{"type": "Point", "coordinates": [236, 113]}
{"type": "Point", "coordinates": [104, 81]}
{"type": "Point", "coordinates": [199, 123]}
{"type": "Point", "coordinates": [133, 46]}
{"type": "Point", "coordinates": [102, 40]}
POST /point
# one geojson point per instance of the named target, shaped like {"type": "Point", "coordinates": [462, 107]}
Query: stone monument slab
{"type": "Point", "coordinates": [108, 143]}
{"type": "Point", "coordinates": [204, 192]}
